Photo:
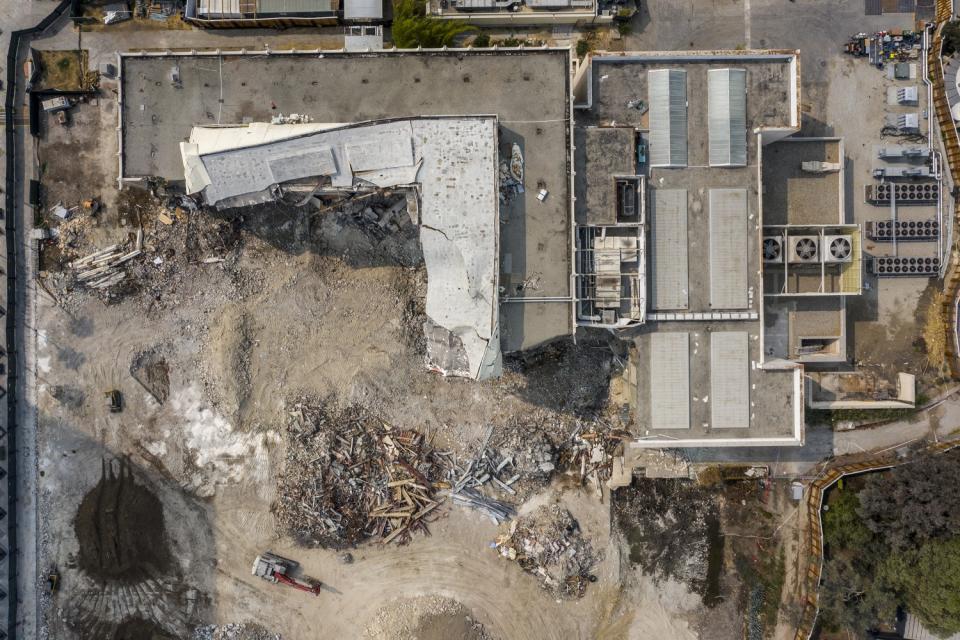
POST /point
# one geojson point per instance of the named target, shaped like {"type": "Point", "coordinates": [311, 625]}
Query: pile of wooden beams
{"type": "Point", "coordinates": [103, 268]}
{"type": "Point", "coordinates": [350, 477]}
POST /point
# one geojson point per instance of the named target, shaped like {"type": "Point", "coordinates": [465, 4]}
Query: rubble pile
{"type": "Point", "coordinates": [489, 466]}
{"type": "Point", "coordinates": [349, 477]}
{"type": "Point", "coordinates": [519, 463]}
{"type": "Point", "coordinates": [499, 512]}
{"type": "Point", "coordinates": [548, 544]}
{"type": "Point", "coordinates": [71, 231]}
{"type": "Point", "coordinates": [379, 213]}
{"type": "Point", "coordinates": [591, 450]}
{"type": "Point", "coordinates": [233, 631]}
{"type": "Point", "coordinates": [167, 237]}
{"type": "Point", "coordinates": [532, 453]}
{"type": "Point", "coordinates": [103, 268]}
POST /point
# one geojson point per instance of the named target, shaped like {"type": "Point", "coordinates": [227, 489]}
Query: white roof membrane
{"type": "Point", "coordinates": [727, 117]}
{"type": "Point", "coordinates": [670, 380]}
{"type": "Point", "coordinates": [667, 90]}
{"type": "Point", "coordinates": [729, 380]}
{"type": "Point", "coordinates": [668, 255]}
{"type": "Point", "coordinates": [729, 237]}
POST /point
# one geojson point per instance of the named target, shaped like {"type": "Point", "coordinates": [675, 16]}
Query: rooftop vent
{"type": "Point", "coordinates": [804, 249]}
{"type": "Point", "coordinates": [773, 249]}
{"type": "Point", "coordinates": [839, 249]}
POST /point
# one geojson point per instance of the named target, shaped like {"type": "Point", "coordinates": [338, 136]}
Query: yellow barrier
{"type": "Point", "coordinates": [952, 147]}
{"type": "Point", "coordinates": [944, 10]}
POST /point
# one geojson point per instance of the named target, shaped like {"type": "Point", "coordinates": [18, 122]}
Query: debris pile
{"type": "Point", "coordinates": [233, 631]}
{"type": "Point", "coordinates": [378, 213]}
{"type": "Point", "coordinates": [70, 232]}
{"type": "Point", "coordinates": [102, 269]}
{"type": "Point", "coordinates": [489, 466]}
{"type": "Point", "coordinates": [517, 465]}
{"type": "Point", "coordinates": [591, 450]}
{"type": "Point", "coordinates": [548, 544]}
{"type": "Point", "coordinates": [532, 453]}
{"type": "Point", "coordinates": [511, 175]}
{"type": "Point", "coordinates": [349, 476]}
{"type": "Point", "coordinates": [293, 118]}
{"type": "Point", "coordinates": [499, 512]}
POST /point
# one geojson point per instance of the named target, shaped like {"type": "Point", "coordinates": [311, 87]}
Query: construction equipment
{"type": "Point", "coordinates": [276, 569]}
{"type": "Point", "coordinates": [114, 401]}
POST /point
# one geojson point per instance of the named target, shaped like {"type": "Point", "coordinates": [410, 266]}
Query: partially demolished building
{"type": "Point", "coordinates": [450, 162]}
{"type": "Point", "coordinates": [662, 196]}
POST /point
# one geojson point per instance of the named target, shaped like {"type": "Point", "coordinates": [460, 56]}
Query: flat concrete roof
{"type": "Point", "coordinates": [789, 320]}
{"type": "Point", "coordinates": [770, 393]}
{"type": "Point", "coordinates": [618, 82]}
{"type": "Point", "coordinates": [528, 91]}
{"type": "Point", "coordinates": [699, 183]}
{"type": "Point", "coordinates": [606, 152]}
{"type": "Point", "coordinates": [718, 268]}
{"type": "Point", "coordinates": [794, 196]}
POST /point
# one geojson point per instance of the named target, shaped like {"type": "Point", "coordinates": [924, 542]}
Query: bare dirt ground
{"type": "Point", "coordinates": [153, 515]}
{"type": "Point", "coordinates": [714, 553]}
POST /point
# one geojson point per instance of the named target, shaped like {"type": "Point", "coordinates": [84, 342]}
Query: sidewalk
{"type": "Point", "coordinates": [935, 423]}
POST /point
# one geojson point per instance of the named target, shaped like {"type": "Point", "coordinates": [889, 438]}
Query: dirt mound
{"type": "Point", "coordinates": [120, 528]}
{"type": "Point", "coordinates": [673, 529]}
{"type": "Point", "coordinates": [425, 618]}
{"type": "Point", "coordinates": [151, 370]}
{"type": "Point", "coordinates": [567, 376]}
{"type": "Point", "coordinates": [140, 629]}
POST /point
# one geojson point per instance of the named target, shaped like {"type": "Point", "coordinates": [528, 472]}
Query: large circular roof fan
{"type": "Point", "coordinates": [840, 248]}
{"type": "Point", "coordinates": [806, 249]}
{"type": "Point", "coordinates": [771, 249]}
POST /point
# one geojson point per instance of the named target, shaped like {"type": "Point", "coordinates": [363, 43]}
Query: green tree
{"type": "Point", "coordinates": [584, 46]}
{"type": "Point", "coordinates": [951, 38]}
{"type": "Point", "coordinates": [842, 526]}
{"type": "Point", "coordinates": [857, 593]}
{"type": "Point", "coordinates": [915, 502]}
{"type": "Point", "coordinates": [412, 28]}
{"type": "Point", "coordinates": [482, 40]}
{"type": "Point", "coordinates": [930, 579]}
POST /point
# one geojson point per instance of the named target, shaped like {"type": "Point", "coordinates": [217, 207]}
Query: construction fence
{"type": "Point", "coordinates": [813, 544]}
{"type": "Point", "coordinates": [951, 146]}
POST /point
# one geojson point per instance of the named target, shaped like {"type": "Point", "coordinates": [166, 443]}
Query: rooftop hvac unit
{"type": "Point", "coordinates": [907, 95]}
{"type": "Point", "coordinates": [838, 249]}
{"type": "Point", "coordinates": [901, 172]}
{"type": "Point", "coordinates": [905, 122]}
{"type": "Point", "coordinates": [819, 166]}
{"type": "Point", "coordinates": [773, 249]}
{"type": "Point", "coordinates": [804, 249]}
{"type": "Point", "coordinates": [898, 152]}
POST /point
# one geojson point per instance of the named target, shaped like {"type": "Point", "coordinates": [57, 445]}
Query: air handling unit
{"type": "Point", "coordinates": [838, 249]}
{"type": "Point", "coordinates": [773, 249]}
{"type": "Point", "coordinates": [804, 249]}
